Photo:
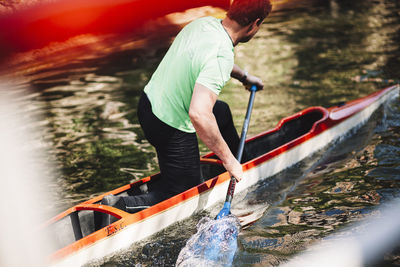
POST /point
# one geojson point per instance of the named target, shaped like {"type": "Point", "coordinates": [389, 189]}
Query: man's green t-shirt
{"type": "Point", "coordinates": [201, 53]}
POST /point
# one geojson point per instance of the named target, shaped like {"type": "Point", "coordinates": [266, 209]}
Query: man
{"type": "Point", "coordinates": [180, 99]}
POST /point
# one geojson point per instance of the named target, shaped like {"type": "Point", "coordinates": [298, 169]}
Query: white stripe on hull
{"type": "Point", "coordinates": [149, 226]}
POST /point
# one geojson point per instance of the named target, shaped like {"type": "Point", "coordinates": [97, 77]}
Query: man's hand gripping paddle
{"type": "Point", "coordinates": [226, 210]}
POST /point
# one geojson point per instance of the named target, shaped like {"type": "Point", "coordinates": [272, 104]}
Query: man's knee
{"type": "Point", "coordinates": [222, 112]}
{"type": "Point", "coordinates": [221, 107]}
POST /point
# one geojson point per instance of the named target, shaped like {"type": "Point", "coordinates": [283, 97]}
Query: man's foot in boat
{"type": "Point", "coordinates": [102, 219]}
{"type": "Point", "coordinates": [114, 201]}
{"type": "Point", "coordinates": [133, 209]}
{"type": "Point", "coordinates": [121, 203]}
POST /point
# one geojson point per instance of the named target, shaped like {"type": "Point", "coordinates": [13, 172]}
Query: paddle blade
{"type": "Point", "coordinates": [226, 210]}
{"type": "Point", "coordinates": [214, 244]}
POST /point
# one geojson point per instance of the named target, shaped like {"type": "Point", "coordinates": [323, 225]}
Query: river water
{"type": "Point", "coordinates": [308, 53]}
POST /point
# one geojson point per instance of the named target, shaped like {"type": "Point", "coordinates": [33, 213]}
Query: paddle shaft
{"type": "Point", "coordinates": [239, 154]}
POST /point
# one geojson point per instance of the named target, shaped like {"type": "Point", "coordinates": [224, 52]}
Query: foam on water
{"type": "Point", "coordinates": [214, 244]}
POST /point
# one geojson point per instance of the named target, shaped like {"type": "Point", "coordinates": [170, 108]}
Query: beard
{"type": "Point", "coordinates": [245, 39]}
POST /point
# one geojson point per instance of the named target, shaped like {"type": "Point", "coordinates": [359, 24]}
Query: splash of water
{"type": "Point", "coordinates": [214, 244]}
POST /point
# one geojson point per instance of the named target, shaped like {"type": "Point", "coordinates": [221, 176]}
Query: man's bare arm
{"type": "Point", "coordinates": [203, 119]}
{"type": "Point", "coordinates": [238, 73]}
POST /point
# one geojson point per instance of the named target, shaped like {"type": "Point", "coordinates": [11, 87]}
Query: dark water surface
{"type": "Point", "coordinates": [310, 53]}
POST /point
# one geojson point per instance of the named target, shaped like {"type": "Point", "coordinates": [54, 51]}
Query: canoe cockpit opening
{"type": "Point", "coordinates": [287, 130]}
{"type": "Point", "coordinates": [210, 168]}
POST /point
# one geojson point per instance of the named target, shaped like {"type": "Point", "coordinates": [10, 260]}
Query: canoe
{"type": "Point", "coordinates": [80, 239]}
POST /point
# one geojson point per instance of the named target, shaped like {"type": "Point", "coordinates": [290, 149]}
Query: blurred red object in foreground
{"type": "Point", "coordinates": [39, 25]}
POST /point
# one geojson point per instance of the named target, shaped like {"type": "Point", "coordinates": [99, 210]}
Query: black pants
{"type": "Point", "coordinates": [177, 151]}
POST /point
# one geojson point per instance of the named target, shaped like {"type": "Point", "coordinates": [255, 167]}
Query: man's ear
{"type": "Point", "coordinates": [253, 24]}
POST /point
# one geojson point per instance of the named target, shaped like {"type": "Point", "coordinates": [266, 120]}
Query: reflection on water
{"type": "Point", "coordinates": [86, 90]}
{"type": "Point", "coordinates": [310, 53]}
{"type": "Point", "coordinates": [96, 137]}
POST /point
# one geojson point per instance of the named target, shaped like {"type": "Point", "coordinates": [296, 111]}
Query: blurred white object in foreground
{"type": "Point", "coordinates": [364, 243]}
{"type": "Point", "coordinates": [22, 173]}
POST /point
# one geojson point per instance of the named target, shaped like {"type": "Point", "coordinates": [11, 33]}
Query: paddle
{"type": "Point", "coordinates": [231, 188]}
{"type": "Point", "coordinates": [215, 242]}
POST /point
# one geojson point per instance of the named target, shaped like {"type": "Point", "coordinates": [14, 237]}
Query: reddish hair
{"type": "Point", "coordinates": [245, 12]}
